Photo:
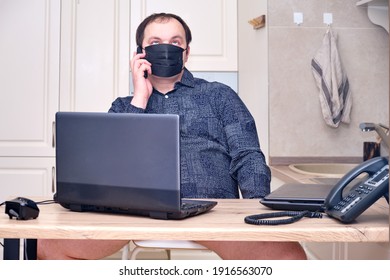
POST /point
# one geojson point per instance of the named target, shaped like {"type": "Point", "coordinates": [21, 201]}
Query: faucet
{"type": "Point", "coordinates": [381, 129]}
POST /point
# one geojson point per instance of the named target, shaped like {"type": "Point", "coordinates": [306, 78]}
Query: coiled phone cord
{"type": "Point", "coordinates": [268, 218]}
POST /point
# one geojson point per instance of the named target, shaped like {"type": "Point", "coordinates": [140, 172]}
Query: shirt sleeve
{"type": "Point", "coordinates": [122, 105]}
{"type": "Point", "coordinates": [248, 165]}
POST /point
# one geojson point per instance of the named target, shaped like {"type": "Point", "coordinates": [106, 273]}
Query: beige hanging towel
{"type": "Point", "coordinates": [332, 82]}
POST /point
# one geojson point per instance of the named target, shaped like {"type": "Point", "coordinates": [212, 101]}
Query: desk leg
{"type": "Point", "coordinates": [11, 249]}
{"type": "Point", "coordinates": [30, 249]}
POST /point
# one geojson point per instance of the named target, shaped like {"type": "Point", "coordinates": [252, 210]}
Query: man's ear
{"type": "Point", "coordinates": [187, 53]}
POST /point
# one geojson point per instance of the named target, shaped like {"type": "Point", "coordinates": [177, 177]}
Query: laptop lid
{"type": "Point", "coordinates": [298, 197]}
{"type": "Point", "coordinates": [126, 161]}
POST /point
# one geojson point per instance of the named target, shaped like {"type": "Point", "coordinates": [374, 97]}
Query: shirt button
{"type": "Point", "coordinates": [166, 96]}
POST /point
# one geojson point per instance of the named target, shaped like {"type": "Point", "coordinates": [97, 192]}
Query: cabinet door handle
{"type": "Point", "coordinates": [53, 179]}
{"type": "Point", "coordinates": [53, 140]}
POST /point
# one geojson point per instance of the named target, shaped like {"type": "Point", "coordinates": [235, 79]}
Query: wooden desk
{"type": "Point", "coordinates": [224, 222]}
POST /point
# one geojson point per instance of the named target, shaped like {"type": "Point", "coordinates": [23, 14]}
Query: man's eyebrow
{"type": "Point", "coordinates": [174, 37]}
{"type": "Point", "coordinates": [154, 38]}
{"type": "Point", "coordinates": [177, 37]}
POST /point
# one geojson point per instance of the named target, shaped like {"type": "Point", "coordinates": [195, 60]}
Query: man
{"type": "Point", "coordinates": [220, 153]}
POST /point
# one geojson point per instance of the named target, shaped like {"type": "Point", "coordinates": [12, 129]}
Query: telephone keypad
{"type": "Point", "coordinates": [351, 199]}
{"type": "Point", "coordinates": [349, 206]}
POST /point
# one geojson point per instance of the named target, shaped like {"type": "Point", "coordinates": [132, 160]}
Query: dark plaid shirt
{"type": "Point", "coordinates": [219, 144]}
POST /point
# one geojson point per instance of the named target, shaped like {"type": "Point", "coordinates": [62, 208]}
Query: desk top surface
{"type": "Point", "coordinates": [224, 222]}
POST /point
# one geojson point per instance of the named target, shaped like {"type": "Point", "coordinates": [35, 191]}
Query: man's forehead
{"type": "Point", "coordinates": [169, 25]}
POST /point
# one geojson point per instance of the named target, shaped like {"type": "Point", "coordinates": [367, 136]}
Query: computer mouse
{"type": "Point", "coordinates": [21, 208]}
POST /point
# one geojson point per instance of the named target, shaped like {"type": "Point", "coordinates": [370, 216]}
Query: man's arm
{"type": "Point", "coordinates": [123, 105]}
{"type": "Point", "coordinates": [248, 165]}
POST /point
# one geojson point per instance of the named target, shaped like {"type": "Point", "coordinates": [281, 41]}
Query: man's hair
{"type": "Point", "coordinates": [160, 17]}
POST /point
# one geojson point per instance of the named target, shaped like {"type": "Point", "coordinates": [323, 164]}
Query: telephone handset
{"type": "Point", "coordinates": [139, 50]}
{"type": "Point", "coordinates": [347, 207]}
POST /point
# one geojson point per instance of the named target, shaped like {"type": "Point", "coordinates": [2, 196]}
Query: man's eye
{"type": "Point", "coordinates": [155, 43]}
{"type": "Point", "coordinates": [176, 43]}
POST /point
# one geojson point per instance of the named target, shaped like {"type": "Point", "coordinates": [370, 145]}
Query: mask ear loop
{"type": "Point", "coordinates": [187, 50]}
{"type": "Point", "coordinates": [139, 49]}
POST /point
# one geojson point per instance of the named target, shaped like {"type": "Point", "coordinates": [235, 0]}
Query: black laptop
{"type": "Point", "coordinates": [121, 163]}
{"type": "Point", "coordinates": [298, 197]}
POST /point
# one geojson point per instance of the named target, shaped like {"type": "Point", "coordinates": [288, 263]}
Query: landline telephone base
{"type": "Point", "coordinates": [345, 207]}
{"type": "Point", "coordinates": [387, 197]}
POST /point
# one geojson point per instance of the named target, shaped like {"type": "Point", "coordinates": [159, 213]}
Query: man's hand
{"type": "Point", "coordinates": [142, 86]}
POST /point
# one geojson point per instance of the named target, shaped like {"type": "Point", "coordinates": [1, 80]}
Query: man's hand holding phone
{"type": "Point", "coordinates": [140, 69]}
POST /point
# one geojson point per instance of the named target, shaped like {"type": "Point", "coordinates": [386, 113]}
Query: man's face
{"type": "Point", "coordinates": [166, 32]}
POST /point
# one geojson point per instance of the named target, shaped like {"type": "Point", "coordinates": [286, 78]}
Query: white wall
{"type": "Point", "coordinates": [253, 66]}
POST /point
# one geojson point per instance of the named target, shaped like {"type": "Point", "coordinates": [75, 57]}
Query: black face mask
{"type": "Point", "coordinates": [166, 59]}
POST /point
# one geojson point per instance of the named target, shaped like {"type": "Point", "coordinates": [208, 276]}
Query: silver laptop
{"type": "Point", "coordinates": [121, 163]}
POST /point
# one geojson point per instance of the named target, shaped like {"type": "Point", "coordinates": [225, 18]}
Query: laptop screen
{"type": "Point", "coordinates": [122, 160]}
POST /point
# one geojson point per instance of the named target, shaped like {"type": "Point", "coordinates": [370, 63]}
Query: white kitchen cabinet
{"type": "Point", "coordinates": [322, 250]}
{"type": "Point", "coordinates": [347, 251]}
{"type": "Point", "coordinates": [26, 176]}
{"type": "Point", "coordinates": [366, 251]}
{"type": "Point", "coordinates": [29, 76]}
{"type": "Point", "coordinates": [213, 26]}
{"type": "Point", "coordinates": [29, 95]}
{"type": "Point", "coordinates": [56, 55]}
{"type": "Point", "coordinates": [95, 53]}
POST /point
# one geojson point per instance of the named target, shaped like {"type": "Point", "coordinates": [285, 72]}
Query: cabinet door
{"type": "Point", "coordinates": [94, 53]}
{"type": "Point", "coordinates": [29, 76]}
{"type": "Point", "coordinates": [322, 250]}
{"type": "Point", "coordinates": [366, 251]}
{"type": "Point", "coordinates": [26, 177]}
{"type": "Point", "coordinates": [213, 26]}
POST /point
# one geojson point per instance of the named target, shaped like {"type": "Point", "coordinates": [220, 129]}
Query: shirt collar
{"type": "Point", "coordinates": [187, 79]}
